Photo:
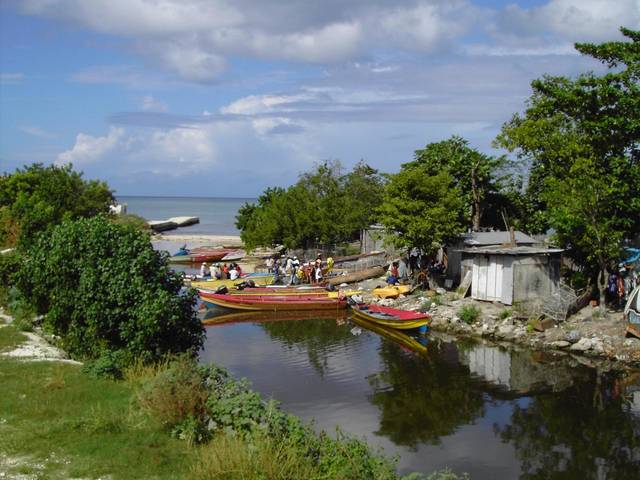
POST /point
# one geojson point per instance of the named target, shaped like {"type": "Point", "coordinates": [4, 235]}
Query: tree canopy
{"type": "Point", "coordinates": [475, 174]}
{"type": "Point", "coordinates": [581, 137]}
{"type": "Point", "coordinates": [104, 289]}
{"type": "Point", "coordinates": [34, 198]}
{"type": "Point", "coordinates": [325, 207]}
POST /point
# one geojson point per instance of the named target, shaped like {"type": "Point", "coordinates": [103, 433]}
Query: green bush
{"type": "Point", "coordinates": [104, 288]}
{"type": "Point", "coordinates": [469, 313]}
{"type": "Point", "coordinates": [177, 398]}
{"type": "Point", "coordinates": [132, 220]}
{"type": "Point", "coordinates": [504, 314]}
{"type": "Point", "coordinates": [35, 198]}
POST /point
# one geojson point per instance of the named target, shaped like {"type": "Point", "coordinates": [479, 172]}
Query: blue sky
{"type": "Point", "coordinates": [226, 98]}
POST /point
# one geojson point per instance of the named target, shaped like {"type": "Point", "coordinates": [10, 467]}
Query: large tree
{"type": "Point", "coordinates": [476, 174]}
{"type": "Point", "coordinates": [581, 137]}
{"type": "Point", "coordinates": [422, 210]}
{"type": "Point", "coordinates": [325, 207]}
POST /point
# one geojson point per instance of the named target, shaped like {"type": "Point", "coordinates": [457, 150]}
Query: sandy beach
{"type": "Point", "coordinates": [200, 239]}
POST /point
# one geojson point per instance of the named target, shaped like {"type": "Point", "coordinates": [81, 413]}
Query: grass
{"type": "Point", "coordinates": [469, 313]}
{"type": "Point", "coordinates": [504, 314]}
{"type": "Point", "coordinates": [10, 337]}
{"type": "Point", "coordinates": [61, 423]}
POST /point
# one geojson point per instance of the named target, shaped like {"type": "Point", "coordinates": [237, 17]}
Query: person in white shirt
{"type": "Point", "coordinates": [204, 270]}
{"type": "Point", "coordinates": [233, 274]}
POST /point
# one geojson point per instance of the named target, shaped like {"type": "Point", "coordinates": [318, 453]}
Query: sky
{"type": "Point", "coordinates": [225, 98]}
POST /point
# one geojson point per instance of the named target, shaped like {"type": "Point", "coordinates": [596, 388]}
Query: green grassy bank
{"type": "Point", "coordinates": [160, 422]}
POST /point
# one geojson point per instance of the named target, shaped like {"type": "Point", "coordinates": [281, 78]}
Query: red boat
{"type": "Point", "coordinates": [202, 254]}
{"type": "Point", "coordinates": [391, 317]}
{"type": "Point", "coordinates": [272, 302]}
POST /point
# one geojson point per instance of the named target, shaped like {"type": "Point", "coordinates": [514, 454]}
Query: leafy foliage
{"type": "Point", "coordinates": [469, 314]}
{"type": "Point", "coordinates": [474, 173]}
{"type": "Point", "coordinates": [104, 288]}
{"type": "Point", "coordinates": [581, 138]}
{"type": "Point", "coordinates": [324, 207]}
{"type": "Point", "coordinates": [422, 209]}
{"type": "Point", "coordinates": [36, 197]}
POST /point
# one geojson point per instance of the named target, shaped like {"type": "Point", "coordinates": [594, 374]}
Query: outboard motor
{"type": "Point", "coordinates": [250, 284]}
{"type": "Point", "coordinates": [222, 289]}
{"type": "Point", "coordinates": [330, 287]}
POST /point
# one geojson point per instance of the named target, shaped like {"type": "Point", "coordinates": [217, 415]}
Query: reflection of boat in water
{"type": "Point", "coordinates": [397, 336]}
{"type": "Point", "coordinates": [212, 317]}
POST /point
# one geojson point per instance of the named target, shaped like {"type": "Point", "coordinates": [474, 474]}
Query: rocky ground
{"type": "Point", "coordinates": [586, 335]}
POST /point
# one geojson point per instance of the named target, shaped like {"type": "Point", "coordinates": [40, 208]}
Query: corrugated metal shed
{"type": "Point", "coordinates": [496, 238]}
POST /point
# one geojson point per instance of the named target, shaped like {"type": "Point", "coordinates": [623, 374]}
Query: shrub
{"type": "Point", "coordinates": [177, 397]}
{"type": "Point", "coordinates": [35, 198]}
{"type": "Point", "coordinates": [504, 314]}
{"type": "Point", "coordinates": [108, 365]}
{"type": "Point", "coordinates": [131, 220]}
{"type": "Point", "coordinates": [469, 313]}
{"type": "Point", "coordinates": [104, 288]}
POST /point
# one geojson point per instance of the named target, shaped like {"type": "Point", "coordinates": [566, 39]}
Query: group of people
{"type": "Point", "coordinates": [216, 271]}
{"type": "Point", "coordinates": [292, 271]}
{"type": "Point", "coordinates": [620, 284]}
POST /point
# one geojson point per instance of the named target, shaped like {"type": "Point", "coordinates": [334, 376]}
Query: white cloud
{"type": "Point", "coordinates": [89, 149]}
{"type": "Point", "coordinates": [11, 78]}
{"type": "Point", "coordinates": [151, 104]}
{"type": "Point", "coordinates": [37, 132]}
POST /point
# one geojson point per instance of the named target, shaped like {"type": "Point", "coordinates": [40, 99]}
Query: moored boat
{"type": "Point", "coordinates": [391, 291]}
{"type": "Point", "coordinates": [261, 279]}
{"type": "Point", "coordinates": [201, 254]}
{"type": "Point", "coordinates": [272, 302]}
{"type": "Point", "coordinates": [391, 317]}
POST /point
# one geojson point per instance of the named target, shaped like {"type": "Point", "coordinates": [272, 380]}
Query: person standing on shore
{"type": "Point", "coordinates": [204, 270]}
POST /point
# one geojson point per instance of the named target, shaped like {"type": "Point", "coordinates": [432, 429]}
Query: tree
{"type": "Point", "coordinates": [423, 210]}
{"type": "Point", "coordinates": [36, 197]}
{"type": "Point", "coordinates": [581, 138]}
{"type": "Point", "coordinates": [324, 207]}
{"type": "Point", "coordinates": [104, 289]}
{"type": "Point", "coordinates": [474, 173]}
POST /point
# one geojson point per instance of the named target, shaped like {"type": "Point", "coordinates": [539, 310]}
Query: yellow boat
{"type": "Point", "coordinates": [392, 291]}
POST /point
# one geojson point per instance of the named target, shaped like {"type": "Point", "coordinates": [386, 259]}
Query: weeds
{"type": "Point", "coordinates": [469, 314]}
{"type": "Point", "coordinates": [504, 314]}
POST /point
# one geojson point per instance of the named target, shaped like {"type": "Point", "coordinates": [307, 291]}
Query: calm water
{"type": "Point", "coordinates": [473, 407]}
{"type": "Point", "coordinates": [217, 215]}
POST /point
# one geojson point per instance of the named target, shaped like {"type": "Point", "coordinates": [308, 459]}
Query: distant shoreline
{"type": "Point", "coordinates": [205, 239]}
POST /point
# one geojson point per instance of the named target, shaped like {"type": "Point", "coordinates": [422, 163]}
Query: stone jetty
{"type": "Point", "coordinates": [172, 223]}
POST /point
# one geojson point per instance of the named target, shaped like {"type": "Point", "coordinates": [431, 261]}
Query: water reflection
{"type": "Point", "coordinates": [475, 407]}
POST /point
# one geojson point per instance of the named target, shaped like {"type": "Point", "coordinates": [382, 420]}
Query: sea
{"type": "Point", "coordinates": [217, 215]}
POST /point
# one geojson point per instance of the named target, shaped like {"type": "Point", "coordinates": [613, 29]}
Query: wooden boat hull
{"type": "Point", "coordinates": [202, 255]}
{"type": "Point", "coordinates": [390, 317]}
{"type": "Point", "coordinates": [304, 292]}
{"type": "Point", "coordinates": [271, 303]}
{"type": "Point", "coordinates": [392, 291]}
{"type": "Point", "coordinates": [357, 276]}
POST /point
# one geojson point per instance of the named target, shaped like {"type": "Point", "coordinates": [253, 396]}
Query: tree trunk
{"type": "Point", "coordinates": [476, 208]}
{"type": "Point", "coordinates": [602, 285]}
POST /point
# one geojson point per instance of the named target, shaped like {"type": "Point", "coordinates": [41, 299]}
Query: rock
{"type": "Point", "coordinates": [544, 324]}
{"type": "Point", "coordinates": [455, 319]}
{"type": "Point", "coordinates": [582, 345]}
{"type": "Point", "coordinates": [560, 344]}
{"type": "Point", "coordinates": [632, 342]}
{"type": "Point", "coordinates": [440, 291]}
{"type": "Point", "coordinates": [573, 336]}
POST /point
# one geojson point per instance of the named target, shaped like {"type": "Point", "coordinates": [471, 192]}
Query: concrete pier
{"type": "Point", "coordinates": [172, 223]}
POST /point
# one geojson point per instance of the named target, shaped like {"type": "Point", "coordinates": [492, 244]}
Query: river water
{"type": "Point", "coordinates": [473, 407]}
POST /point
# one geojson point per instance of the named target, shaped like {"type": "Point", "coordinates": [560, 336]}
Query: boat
{"type": "Point", "coordinates": [234, 256]}
{"type": "Point", "coordinates": [391, 291]}
{"type": "Point", "coordinates": [275, 290]}
{"type": "Point", "coordinates": [201, 254]}
{"type": "Point", "coordinates": [270, 316]}
{"type": "Point", "coordinates": [632, 313]}
{"type": "Point", "coordinates": [261, 279]}
{"type": "Point", "coordinates": [357, 276]}
{"type": "Point", "coordinates": [391, 317]}
{"type": "Point", "coordinates": [395, 335]}
{"type": "Point", "coordinates": [272, 303]}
